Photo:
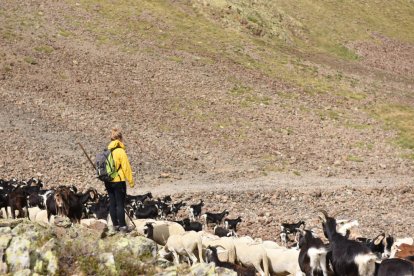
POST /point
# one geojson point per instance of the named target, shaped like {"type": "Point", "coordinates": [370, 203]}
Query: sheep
{"type": "Point", "coordinates": [212, 256]}
{"type": "Point", "coordinates": [283, 261]}
{"type": "Point", "coordinates": [160, 231]}
{"type": "Point", "coordinates": [185, 244]}
{"type": "Point", "coordinates": [252, 254]}
{"type": "Point", "coordinates": [348, 257]}
{"type": "Point", "coordinates": [227, 243]}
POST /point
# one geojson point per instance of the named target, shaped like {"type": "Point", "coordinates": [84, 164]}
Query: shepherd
{"type": "Point", "coordinates": [116, 188]}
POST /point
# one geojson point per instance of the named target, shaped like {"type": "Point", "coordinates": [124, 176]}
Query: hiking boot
{"type": "Point", "coordinates": [113, 230]}
{"type": "Point", "coordinates": [125, 229]}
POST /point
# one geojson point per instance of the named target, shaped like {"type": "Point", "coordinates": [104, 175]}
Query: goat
{"type": "Point", "coordinates": [395, 267]}
{"type": "Point", "coordinates": [212, 256]}
{"type": "Point", "coordinates": [404, 250]}
{"type": "Point", "coordinates": [70, 204]}
{"type": "Point", "coordinates": [17, 201]}
{"type": "Point", "coordinates": [312, 255]}
{"type": "Point", "coordinates": [289, 228]}
{"type": "Point", "coordinates": [146, 211]}
{"type": "Point", "coordinates": [223, 232]}
{"type": "Point", "coordinates": [380, 245]}
{"type": "Point", "coordinates": [232, 223]}
{"type": "Point", "coordinates": [174, 208]}
{"type": "Point", "coordinates": [194, 210]}
{"type": "Point", "coordinates": [185, 244]}
{"type": "Point", "coordinates": [348, 257]}
{"type": "Point", "coordinates": [190, 225]}
{"type": "Point", "coordinates": [397, 244]}
{"type": "Point", "coordinates": [216, 218]}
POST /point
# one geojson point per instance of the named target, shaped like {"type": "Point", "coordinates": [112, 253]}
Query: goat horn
{"type": "Point", "coordinates": [325, 215]}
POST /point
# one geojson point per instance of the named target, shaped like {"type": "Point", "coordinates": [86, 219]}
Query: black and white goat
{"type": "Point", "coordinates": [380, 245]}
{"type": "Point", "coordinates": [216, 218]}
{"type": "Point", "coordinates": [146, 211]}
{"type": "Point", "coordinates": [194, 210]}
{"type": "Point", "coordinates": [289, 228]}
{"type": "Point", "coordinates": [348, 257]}
{"type": "Point", "coordinates": [232, 223]}
{"type": "Point", "coordinates": [223, 232]}
{"type": "Point", "coordinates": [190, 225]}
{"type": "Point", "coordinates": [175, 207]}
{"type": "Point", "coordinates": [312, 255]}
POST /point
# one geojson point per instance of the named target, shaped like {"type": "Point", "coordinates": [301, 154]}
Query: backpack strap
{"type": "Point", "coordinates": [117, 147]}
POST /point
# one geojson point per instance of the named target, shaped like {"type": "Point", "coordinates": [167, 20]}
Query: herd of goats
{"type": "Point", "coordinates": [342, 254]}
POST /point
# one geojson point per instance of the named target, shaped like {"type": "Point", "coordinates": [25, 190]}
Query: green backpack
{"type": "Point", "coordinates": [105, 166]}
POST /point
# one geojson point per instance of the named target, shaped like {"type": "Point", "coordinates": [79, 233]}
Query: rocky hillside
{"type": "Point", "coordinates": [207, 90]}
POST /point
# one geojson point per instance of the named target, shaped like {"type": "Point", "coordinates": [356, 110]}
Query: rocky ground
{"type": "Point", "coordinates": [203, 122]}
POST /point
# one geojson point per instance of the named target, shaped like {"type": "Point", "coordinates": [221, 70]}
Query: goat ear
{"type": "Point", "coordinates": [379, 239]}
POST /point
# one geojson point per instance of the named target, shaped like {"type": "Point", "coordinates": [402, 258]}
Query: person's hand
{"type": "Point", "coordinates": [131, 185]}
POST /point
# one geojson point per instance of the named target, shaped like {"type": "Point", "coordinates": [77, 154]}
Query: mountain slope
{"type": "Point", "coordinates": [207, 89]}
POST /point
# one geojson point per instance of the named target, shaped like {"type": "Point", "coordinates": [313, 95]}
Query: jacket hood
{"type": "Point", "coordinates": [115, 144]}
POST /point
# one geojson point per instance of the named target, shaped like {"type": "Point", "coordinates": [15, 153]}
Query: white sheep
{"type": "Point", "coordinates": [161, 230]}
{"type": "Point", "coordinates": [251, 254]}
{"type": "Point", "coordinates": [184, 245]}
{"type": "Point", "coordinates": [283, 260]}
{"type": "Point", "coordinates": [227, 243]}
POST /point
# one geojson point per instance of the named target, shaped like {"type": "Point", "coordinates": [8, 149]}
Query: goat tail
{"type": "Point", "coordinates": [366, 263]}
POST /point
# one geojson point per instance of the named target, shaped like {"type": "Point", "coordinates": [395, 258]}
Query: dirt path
{"type": "Point", "coordinates": [271, 183]}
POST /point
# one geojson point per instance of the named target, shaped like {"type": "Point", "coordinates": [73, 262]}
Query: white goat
{"type": "Point", "coordinates": [185, 244]}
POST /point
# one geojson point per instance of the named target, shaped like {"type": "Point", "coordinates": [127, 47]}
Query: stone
{"type": "Point", "coordinates": [18, 254]}
{"type": "Point", "coordinates": [203, 269]}
{"type": "Point", "coordinates": [62, 222]}
{"type": "Point", "coordinates": [10, 222]}
{"type": "Point", "coordinates": [24, 272]}
{"type": "Point", "coordinates": [107, 263]}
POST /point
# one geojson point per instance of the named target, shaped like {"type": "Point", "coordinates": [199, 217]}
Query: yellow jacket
{"type": "Point", "coordinates": [121, 162]}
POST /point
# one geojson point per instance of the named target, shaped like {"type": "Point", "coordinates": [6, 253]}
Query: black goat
{"type": "Point", "coordinates": [312, 255]}
{"type": "Point", "coordinates": [146, 211]}
{"type": "Point", "coordinates": [17, 201]}
{"type": "Point", "coordinates": [348, 257]}
{"type": "Point", "coordinates": [395, 267]}
{"type": "Point", "coordinates": [190, 225]}
{"type": "Point", "coordinates": [232, 223]}
{"type": "Point", "coordinates": [195, 210]}
{"type": "Point", "coordinates": [289, 228]}
{"type": "Point", "coordinates": [223, 232]}
{"type": "Point", "coordinates": [174, 208]}
{"type": "Point", "coordinates": [211, 255]}
{"type": "Point", "coordinates": [216, 218]}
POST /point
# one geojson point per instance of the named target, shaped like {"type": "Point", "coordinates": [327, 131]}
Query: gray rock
{"type": "Point", "coordinates": [18, 254]}
{"type": "Point", "coordinates": [107, 263]}
{"type": "Point", "coordinates": [200, 269]}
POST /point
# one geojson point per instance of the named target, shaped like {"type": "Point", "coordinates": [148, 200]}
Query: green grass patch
{"type": "Point", "coordinates": [44, 49]}
{"type": "Point", "coordinates": [401, 118]}
{"type": "Point", "coordinates": [354, 158]}
{"type": "Point", "coordinates": [30, 60]}
{"type": "Point", "coordinates": [64, 33]}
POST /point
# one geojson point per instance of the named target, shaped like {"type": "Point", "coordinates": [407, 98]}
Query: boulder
{"type": "Point", "coordinates": [18, 254]}
{"type": "Point", "coordinates": [107, 263]}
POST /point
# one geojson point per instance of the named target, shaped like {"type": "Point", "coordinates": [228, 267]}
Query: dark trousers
{"type": "Point", "coordinates": [117, 193]}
